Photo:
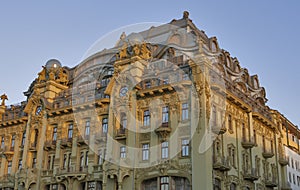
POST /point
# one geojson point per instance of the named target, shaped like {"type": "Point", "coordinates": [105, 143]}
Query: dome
{"type": "Point", "coordinates": [53, 63]}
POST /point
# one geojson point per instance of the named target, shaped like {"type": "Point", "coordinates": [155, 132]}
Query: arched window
{"type": "Point", "coordinates": [214, 47]}
{"type": "Point", "coordinates": [232, 186]}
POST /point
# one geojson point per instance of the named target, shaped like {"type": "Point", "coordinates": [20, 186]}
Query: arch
{"type": "Point", "coordinates": [175, 39]}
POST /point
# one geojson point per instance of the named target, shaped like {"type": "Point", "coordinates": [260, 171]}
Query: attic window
{"type": "Point", "coordinates": [214, 47]}
{"type": "Point", "coordinates": [228, 62]}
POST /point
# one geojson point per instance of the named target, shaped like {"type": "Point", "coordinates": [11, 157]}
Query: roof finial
{"type": "Point", "coordinates": [186, 14]}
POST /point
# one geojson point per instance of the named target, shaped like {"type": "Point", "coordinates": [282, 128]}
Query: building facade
{"type": "Point", "coordinates": [164, 109]}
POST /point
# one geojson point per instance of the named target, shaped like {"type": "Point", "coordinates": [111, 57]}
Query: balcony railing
{"type": "Point", "coordinates": [98, 168]}
{"type": "Point", "coordinates": [8, 181]}
{"type": "Point", "coordinates": [163, 131]}
{"type": "Point", "coordinates": [250, 174]}
{"type": "Point", "coordinates": [100, 137]}
{"type": "Point", "coordinates": [248, 143]}
{"type": "Point", "coordinates": [82, 140]}
{"type": "Point", "coordinates": [221, 163]}
{"type": "Point", "coordinates": [66, 142]}
{"type": "Point", "coordinates": [218, 129]}
{"type": "Point", "coordinates": [267, 153]}
{"type": "Point", "coordinates": [283, 159]}
{"type": "Point", "coordinates": [50, 145]}
{"type": "Point", "coordinates": [121, 133]}
{"type": "Point", "coordinates": [46, 173]}
{"type": "Point", "coordinates": [271, 183]}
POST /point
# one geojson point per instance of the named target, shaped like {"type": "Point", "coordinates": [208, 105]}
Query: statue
{"type": "Point", "coordinates": [146, 54]}
{"type": "Point", "coordinates": [62, 77]}
{"type": "Point", "coordinates": [186, 14]}
{"type": "Point", "coordinates": [42, 75]}
{"type": "Point", "coordinates": [123, 51]}
{"type": "Point", "coordinates": [136, 50]}
{"type": "Point", "coordinates": [3, 98]}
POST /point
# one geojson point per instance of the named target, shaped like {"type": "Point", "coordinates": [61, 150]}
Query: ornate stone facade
{"type": "Point", "coordinates": [165, 108]}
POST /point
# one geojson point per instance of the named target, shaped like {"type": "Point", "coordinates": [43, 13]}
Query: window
{"type": "Point", "coordinates": [123, 121]}
{"type": "Point", "coordinates": [65, 161]}
{"type": "Point", "coordinates": [100, 157]}
{"type": "Point", "coordinates": [185, 76]}
{"type": "Point", "coordinates": [254, 136]}
{"type": "Point", "coordinates": [122, 152]}
{"type": "Point", "coordinates": [49, 162]}
{"type": "Point", "coordinates": [217, 184]}
{"type": "Point", "coordinates": [34, 162]}
{"type": "Point", "coordinates": [164, 183]}
{"type": "Point", "coordinates": [145, 151]}
{"type": "Point", "coordinates": [230, 123]}
{"type": "Point", "coordinates": [13, 139]}
{"type": "Point", "coordinates": [232, 186]}
{"type": "Point", "coordinates": [184, 111]}
{"type": "Point", "coordinates": [146, 118]}
{"type": "Point", "coordinates": [69, 160]}
{"type": "Point", "coordinates": [70, 131]}
{"type": "Point", "coordinates": [148, 84]}
{"type": "Point", "coordinates": [244, 132]}
{"type": "Point", "coordinates": [165, 114]}
{"type": "Point", "coordinates": [9, 166]}
{"type": "Point", "coordinates": [81, 159]}
{"type": "Point", "coordinates": [20, 164]}
{"type": "Point", "coordinates": [54, 135]}
{"type": "Point", "coordinates": [165, 80]}
{"type": "Point", "coordinates": [104, 125]}
{"type": "Point", "coordinates": [86, 158]}
{"type": "Point", "coordinates": [165, 150]}
{"type": "Point", "coordinates": [2, 142]}
{"type": "Point", "coordinates": [23, 138]}
{"type": "Point", "coordinates": [87, 128]}
{"type": "Point", "coordinates": [185, 147]}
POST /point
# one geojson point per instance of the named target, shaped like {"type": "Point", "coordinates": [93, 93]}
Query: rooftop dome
{"type": "Point", "coordinates": [53, 63]}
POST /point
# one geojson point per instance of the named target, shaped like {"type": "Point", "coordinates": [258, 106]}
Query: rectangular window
{"type": "Point", "coordinates": [23, 138]}
{"type": "Point", "coordinates": [9, 166]}
{"type": "Point", "coordinates": [2, 142]}
{"type": "Point", "coordinates": [123, 152]}
{"type": "Point", "coordinates": [165, 114]}
{"type": "Point", "coordinates": [65, 161]}
{"type": "Point", "coordinates": [100, 157]}
{"type": "Point", "coordinates": [164, 183]}
{"type": "Point", "coordinates": [20, 164]}
{"type": "Point", "coordinates": [145, 151]}
{"type": "Point", "coordinates": [70, 131]}
{"type": "Point", "coordinates": [165, 150]}
{"type": "Point", "coordinates": [104, 125]}
{"type": "Point", "coordinates": [13, 139]}
{"type": "Point", "coordinates": [81, 159]}
{"type": "Point", "coordinates": [49, 163]}
{"type": "Point", "coordinates": [87, 128]}
{"type": "Point", "coordinates": [165, 80]}
{"type": "Point", "coordinates": [54, 135]}
{"type": "Point", "coordinates": [148, 84]}
{"type": "Point", "coordinates": [69, 160]}
{"type": "Point", "coordinates": [34, 162]}
{"type": "Point", "coordinates": [123, 121]}
{"type": "Point", "coordinates": [86, 158]}
{"type": "Point", "coordinates": [185, 147]}
{"type": "Point", "coordinates": [146, 118]}
{"type": "Point", "coordinates": [184, 111]}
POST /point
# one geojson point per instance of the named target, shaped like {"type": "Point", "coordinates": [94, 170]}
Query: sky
{"type": "Point", "coordinates": [263, 35]}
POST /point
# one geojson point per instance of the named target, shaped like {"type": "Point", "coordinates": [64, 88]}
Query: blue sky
{"type": "Point", "coordinates": [263, 35]}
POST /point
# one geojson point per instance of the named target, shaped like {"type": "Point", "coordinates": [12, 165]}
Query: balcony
{"type": "Point", "coordinates": [271, 183]}
{"type": "Point", "coordinates": [163, 131]}
{"type": "Point", "coordinates": [66, 142]}
{"type": "Point", "coordinates": [33, 147]}
{"type": "Point", "coordinates": [267, 153]}
{"type": "Point", "coordinates": [248, 143]}
{"type": "Point", "coordinates": [283, 159]}
{"type": "Point", "coordinates": [98, 168]}
{"type": "Point", "coordinates": [47, 173]}
{"type": "Point", "coordinates": [121, 134]}
{"type": "Point", "coordinates": [100, 137]}
{"type": "Point", "coordinates": [82, 140]}
{"type": "Point", "coordinates": [251, 175]}
{"type": "Point", "coordinates": [50, 145]}
{"type": "Point", "coordinates": [217, 129]}
{"type": "Point", "coordinates": [221, 164]}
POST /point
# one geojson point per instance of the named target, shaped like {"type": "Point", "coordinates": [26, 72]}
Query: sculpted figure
{"type": "Point", "coordinates": [123, 51]}
{"type": "Point", "coordinates": [42, 75]}
{"type": "Point", "coordinates": [3, 98]}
